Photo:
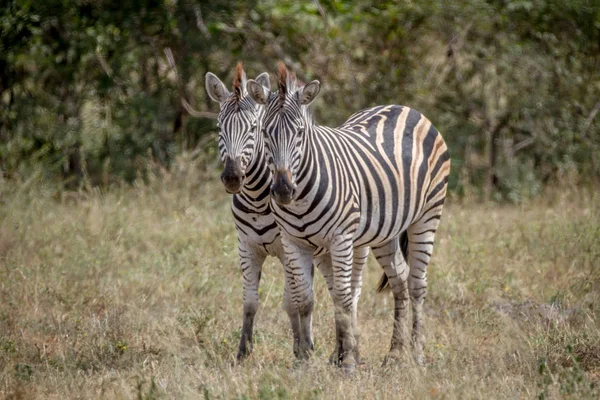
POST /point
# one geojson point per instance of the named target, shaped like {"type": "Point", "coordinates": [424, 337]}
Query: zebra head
{"type": "Point", "coordinates": [239, 120]}
{"type": "Point", "coordinates": [285, 128]}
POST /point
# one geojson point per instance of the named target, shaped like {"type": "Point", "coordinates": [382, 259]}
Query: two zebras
{"type": "Point", "coordinates": [313, 195]}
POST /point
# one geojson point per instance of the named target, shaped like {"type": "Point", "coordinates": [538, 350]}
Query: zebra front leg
{"type": "Point", "coordinates": [292, 312]}
{"type": "Point", "coordinates": [395, 267]}
{"type": "Point", "coordinates": [251, 261]}
{"type": "Point", "coordinates": [323, 264]}
{"type": "Point", "coordinates": [341, 259]}
{"type": "Point", "coordinates": [299, 273]}
{"type": "Point", "coordinates": [289, 306]}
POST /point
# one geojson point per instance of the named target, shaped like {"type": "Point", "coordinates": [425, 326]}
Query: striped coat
{"type": "Point", "coordinates": [247, 176]}
{"type": "Point", "coordinates": [377, 181]}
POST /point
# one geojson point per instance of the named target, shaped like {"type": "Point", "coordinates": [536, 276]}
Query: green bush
{"type": "Point", "coordinates": [88, 92]}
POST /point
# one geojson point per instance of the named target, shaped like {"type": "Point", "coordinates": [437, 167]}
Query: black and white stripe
{"type": "Point", "coordinates": [376, 181]}
{"type": "Point", "coordinates": [241, 144]}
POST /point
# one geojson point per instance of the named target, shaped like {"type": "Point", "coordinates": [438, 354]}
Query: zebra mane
{"type": "Point", "coordinates": [287, 82]}
{"type": "Point", "coordinates": [239, 82]}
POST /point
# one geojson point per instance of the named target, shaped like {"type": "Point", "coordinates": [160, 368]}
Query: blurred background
{"type": "Point", "coordinates": [90, 90]}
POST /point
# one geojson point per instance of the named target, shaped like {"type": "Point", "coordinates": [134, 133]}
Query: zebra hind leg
{"type": "Point", "coordinates": [421, 237]}
{"type": "Point", "coordinates": [389, 256]}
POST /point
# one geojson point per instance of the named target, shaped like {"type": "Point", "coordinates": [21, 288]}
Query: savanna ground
{"type": "Point", "coordinates": [135, 292]}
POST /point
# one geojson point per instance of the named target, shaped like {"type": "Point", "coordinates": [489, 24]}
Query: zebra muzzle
{"type": "Point", "coordinates": [283, 189]}
{"type": "Point", "coordinates": [232, 175]}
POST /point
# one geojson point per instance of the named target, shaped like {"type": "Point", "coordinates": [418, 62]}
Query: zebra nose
{"type": "Point", "coordinates": [232, 183]}
{"type": "Point", "coordinates": [283, 189]}
{"type": "Point", "coordinates": [232, 176]}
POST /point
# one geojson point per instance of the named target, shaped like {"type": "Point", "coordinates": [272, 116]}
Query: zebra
{"type": "Point", "coordinates": [377, 181]}
{"type": "Point", "coordinates": [247, 176]}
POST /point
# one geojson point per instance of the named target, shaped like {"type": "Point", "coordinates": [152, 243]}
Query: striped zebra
{"type": "Point", "coordinates": [247, 176]}
{"type": "Point", "coordinates": [377, 181]}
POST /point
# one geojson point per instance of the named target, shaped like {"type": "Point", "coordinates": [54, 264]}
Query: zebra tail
{"type": "Point", "coordinates": [384, 284]}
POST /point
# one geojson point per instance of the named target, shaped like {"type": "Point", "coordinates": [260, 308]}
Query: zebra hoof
{"type": "Point", "coordinates": [336, 357]}
{"type": "Point", "coordinates": [349, 369]}
{"type": "Point", "coordinates": [304, 352]}
{"type": "Point", "coordinates": [243, 353]}
{"type": "Point", "coordinates": [393, 359]}
{"type": "Point", "coordinates": [348, 365]}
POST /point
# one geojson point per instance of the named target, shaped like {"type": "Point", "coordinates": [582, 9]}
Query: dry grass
{"type": "Point", "coordinates": [136, 293]}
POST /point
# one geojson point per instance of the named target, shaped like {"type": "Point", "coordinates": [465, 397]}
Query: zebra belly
{"type": "Point", "coordinates": [374, 235]}
{"type": "Point", "coordinates": [384, 220]}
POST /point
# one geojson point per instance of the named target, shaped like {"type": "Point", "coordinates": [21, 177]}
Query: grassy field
{"type": "Point", "coordinates": [135, 292]}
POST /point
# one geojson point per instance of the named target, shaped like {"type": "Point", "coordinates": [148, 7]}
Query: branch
{"type": "Point", "coordinates": [200, 22]}
{"type": "Point", "coordinates": [104, 64]}
{"type": "Point", "coordinates": [196, 113]}
{"type": "Point", "coordinates": [191, 111]}
{"type": "Point", "coordinates": [171, 61]}
{"type": "Point", "coordinates": [231, 29]}
{"type": "Point", "coordinates": [322, 12]}
{"type": "Point", "coordinates": [590, 118]}
{"type": "Point", "coordinates": [501, 123]}
{"type": "Point", "coordinates": [524, 143]}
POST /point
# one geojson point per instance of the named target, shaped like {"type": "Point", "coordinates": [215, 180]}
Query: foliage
{"type": "Point", "coordinates": [87, 91]}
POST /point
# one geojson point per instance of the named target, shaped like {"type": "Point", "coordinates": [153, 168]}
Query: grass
{"type": "Point", "coordinates": [135, 292]}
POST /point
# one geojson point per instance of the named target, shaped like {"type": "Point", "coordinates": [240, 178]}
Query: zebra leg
{"type": "Point", "coordinates": [341, 259]}
{"type": "Point", "coordinates": [360, 260]}
{"type": "Point", "coordinates": [292, 312]}
{"type": "Point", "coordinates": [421, 237]}
{"type": "Point", "coordinates": [289, 306]}
{"type": "Point", "coordinates": [299, 273]}
{"type": "Point", "coordinates": [251, 261]}
{"type": "Point", "coordinates": [323, 264]}
{"type": "Point", "coordinates": [394, 265]}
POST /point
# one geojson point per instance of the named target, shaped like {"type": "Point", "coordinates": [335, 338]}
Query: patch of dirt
{"type": "Point", "coordinates": [588, 357]}
{"type": "Point", "coordinates": [594, 376]}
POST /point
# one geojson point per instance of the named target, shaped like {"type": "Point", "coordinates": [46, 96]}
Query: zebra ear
{"type": "Point", "coordinates": [215, 88]}
{"type": "Point", "coordinates": [257, 91]}
{"type": "Point", "coordinates": [309, 93]}
{"type": "Point", "coordinates": [264, 80]}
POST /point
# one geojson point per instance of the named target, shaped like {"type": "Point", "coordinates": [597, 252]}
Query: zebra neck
{"type": "Point", "coordinates": [309, 174]}
{"type": "Point", "coordinates": [257, 184]}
